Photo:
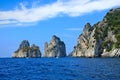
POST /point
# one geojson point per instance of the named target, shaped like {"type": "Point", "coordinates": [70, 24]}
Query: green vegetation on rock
{"type": "Point", "coordinates": [113, 19]}
{"type": "Point", "coordinates": [107, 45]}
{"type": "Point", "coordinates": [113, 24]}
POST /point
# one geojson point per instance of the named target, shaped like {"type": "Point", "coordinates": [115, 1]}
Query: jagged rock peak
{"type": "Point", "coordinates": [25, 50]}
{"type": "Point", "coordinates": [34, 46]}
{"type": "Point", "coordinates": [55, 39]}
{"type": "Point", "coordinates": [87, 27]}
{"type": "Point", "coordinates": [56, 48]}
{"type": "Point", "coordinates": [86, 30]}
{"type": "Point", "coordinates": [24, 44]}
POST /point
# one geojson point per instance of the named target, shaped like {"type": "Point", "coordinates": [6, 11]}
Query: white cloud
{"type": "Point", "coordinates": [7, 22]}
{"type": "Point", "coordinates": [72, 8]}
{"type": "Point", "coordinates": [74, 29]}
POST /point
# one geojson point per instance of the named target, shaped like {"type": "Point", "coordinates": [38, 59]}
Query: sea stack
{"type": "Point", "coordinates": [56, 48]}
{"type": "Point", "coordinates": [25, 51]}
{"type": "Point", "coordinates": [100, 40]}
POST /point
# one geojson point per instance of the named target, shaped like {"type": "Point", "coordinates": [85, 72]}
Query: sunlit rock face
{"type": "Point", "coordinates": [25, 50]}
{"type": "Point", "coordinates": [100, 40]}
{"type": "Point", "coordinates": [56, 48]}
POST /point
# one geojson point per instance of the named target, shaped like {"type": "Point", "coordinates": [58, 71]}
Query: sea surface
{"type": "Point", "coordinates": [60, 69]}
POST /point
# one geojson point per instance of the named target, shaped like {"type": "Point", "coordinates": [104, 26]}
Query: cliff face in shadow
{"type": "Point", "coordinates": [25, 50]}
{"type": "Point", "coordinates": [56, 48]}
{"type": "Point", "coordinates": [101, 39]}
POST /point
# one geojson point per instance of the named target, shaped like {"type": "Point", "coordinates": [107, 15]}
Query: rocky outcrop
{"type": "Point", "coordinates": [113, 53]}
{"type": "Point", "coordinates": [101, 39]}
{"type": "Point", "coordinates": [56, 48]}
{"type": "Point", "coordinates": [25, 50]}
{"type": "Point", "coordinates": [85, 44]}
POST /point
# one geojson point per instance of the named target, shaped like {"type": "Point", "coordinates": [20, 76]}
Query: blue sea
{"type": "Point", "coordinates": [60, 68]}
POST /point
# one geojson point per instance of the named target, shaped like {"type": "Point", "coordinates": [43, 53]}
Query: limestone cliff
{"type": "Point", "coordinates": [25, 50]}
{"type": "Point", "coordinates": [101, 39]}
{"type": "Point", "coordinates": [56, 48]}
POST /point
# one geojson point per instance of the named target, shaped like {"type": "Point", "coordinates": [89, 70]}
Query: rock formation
{"type": "Point", "coordinates": [56, 48]}
{"type": "Point", "coordinates": [25, 50]}
{"type": "Point", "coordinates": [101, 39]}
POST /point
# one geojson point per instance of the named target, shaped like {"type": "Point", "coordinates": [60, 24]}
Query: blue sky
{"type": "Point", "coordinates": [37, 20]}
